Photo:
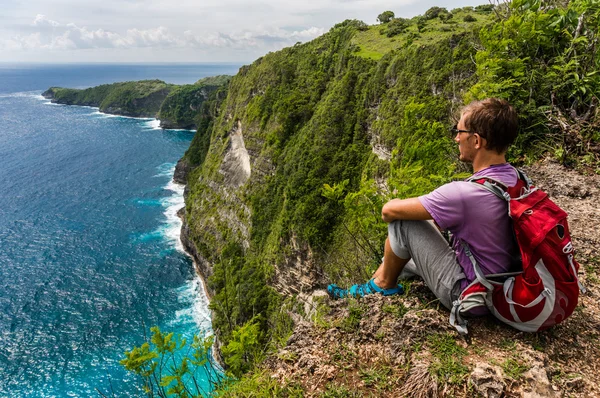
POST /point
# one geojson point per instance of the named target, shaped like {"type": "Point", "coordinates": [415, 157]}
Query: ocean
{"type": "Point", "coordinates": [90, 256]}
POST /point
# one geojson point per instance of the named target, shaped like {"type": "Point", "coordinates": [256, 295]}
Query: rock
{"type": "Point", "coordinates": [575, 384]}
{"type": "Point", "coordinates": [236, 161]}
{"type": "Point", "coordinates": [488, 380]}
{"type": "Point", "coordinates": [536, 383]}
{"type": "Point", "coordinates": [182, 170]}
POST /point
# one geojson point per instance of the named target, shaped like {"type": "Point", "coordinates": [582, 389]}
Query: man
{"type": "Point", "coordinates": [473, 215]}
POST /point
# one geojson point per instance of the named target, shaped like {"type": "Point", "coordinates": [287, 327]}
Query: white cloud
{"type": "Point", "coordinates": [53, 35]}
{"type": "Point", "coordinates": [41, 20]}
{"type": "Point", "coordinates": [185, 30]}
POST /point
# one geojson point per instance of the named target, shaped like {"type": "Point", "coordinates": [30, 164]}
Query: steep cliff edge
{"type": "Point", "coordinates": [183, 107]}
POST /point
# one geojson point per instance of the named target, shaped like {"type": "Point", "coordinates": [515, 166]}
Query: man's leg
{"type": "Point", "coordinates": [387, 274]}
{"type": "Point", "coordinates": [432, 258]}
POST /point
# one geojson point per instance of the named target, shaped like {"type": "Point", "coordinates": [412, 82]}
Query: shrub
{"type": "Point", "coordinates": [485, 8]}
{"type": "Point", "coordinates": [434, 12]}
{"type": "Point", "coordinates": [396, 26]}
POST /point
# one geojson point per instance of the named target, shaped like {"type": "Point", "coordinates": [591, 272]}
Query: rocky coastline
{"type": "Point", "coordinates": [201, 266]}
{"type": "Point", "coordinates": [175, 106]}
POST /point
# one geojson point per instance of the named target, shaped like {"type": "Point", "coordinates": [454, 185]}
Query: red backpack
{"type": "Point", "coordinates": [546, 291]}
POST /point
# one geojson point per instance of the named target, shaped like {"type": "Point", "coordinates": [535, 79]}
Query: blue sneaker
{"type": "Point", "coordinates": [362, 290]}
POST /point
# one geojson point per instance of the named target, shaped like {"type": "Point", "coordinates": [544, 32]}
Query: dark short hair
{"type": "Point", "coordinates": [493, 119]}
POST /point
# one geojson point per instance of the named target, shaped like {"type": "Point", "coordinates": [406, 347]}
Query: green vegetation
{"type": "Point", "coordinates": [378, 376]}
{"type": "Point", "coordinates": [351, 323]}
{"type": "Point", "coordinates": [448, 358]}
{"type": "Point", "coordinates": [385, 16]}
{"type": "Point", "coordinates": [185, 107]}
{"type": "Point", "coordinates": [514, 367]}
{"type": "Point", "coordinates": [375, 42]}
{"type": "Point", "coordinates": [337, 390]}
{"type": "Point", "coordinates": [398, 310]}
{"type": "Point", "coordinates": [168, 365]}
{"type": "Point", "coordinates": [259, 384]}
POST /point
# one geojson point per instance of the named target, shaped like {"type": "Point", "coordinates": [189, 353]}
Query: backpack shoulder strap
{"type": "Point", "coordinates": [495, 187]}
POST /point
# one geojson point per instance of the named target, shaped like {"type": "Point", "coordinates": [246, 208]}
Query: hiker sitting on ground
{"type": "Point", "coordinates": [472, 215]}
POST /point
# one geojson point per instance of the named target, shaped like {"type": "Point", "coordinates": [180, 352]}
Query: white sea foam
{"type": "Point", "coordinates": [192, 295]}
{"type": "Point", "coordinates": [166, 170]}
{"type": "Point", "coordinates": [23, 94]}
{"type": "Point", "coordinates": [172, 205]}
{"type": "Point", "coordinates": [196, 311]}
{"type": "Point", "coordinates": [153, 124]}
{"type": "Point", "coordinates": [170, 230]}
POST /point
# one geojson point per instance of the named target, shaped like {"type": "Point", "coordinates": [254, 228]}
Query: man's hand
{"type": "Point", "coordinates": [404, 209]}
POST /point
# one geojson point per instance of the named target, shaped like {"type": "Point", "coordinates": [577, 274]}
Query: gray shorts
{"type": "Point", "coordinates": [431, 257]}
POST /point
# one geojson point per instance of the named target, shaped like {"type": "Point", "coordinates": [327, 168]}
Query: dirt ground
{"type": "Point", "coordinates": [404, 346]}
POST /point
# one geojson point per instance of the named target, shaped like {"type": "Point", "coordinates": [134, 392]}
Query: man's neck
{"type": "Point", "coordinates": [487, 159]}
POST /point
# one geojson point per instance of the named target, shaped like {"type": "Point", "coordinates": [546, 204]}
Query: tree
{"type": "Point", "coordinates": [385, 17]}
{"type": "Point", "coordinates": [169, 366]}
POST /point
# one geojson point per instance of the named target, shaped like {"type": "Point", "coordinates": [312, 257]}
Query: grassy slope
{"type": "Point", "coordinates": [374, 45]}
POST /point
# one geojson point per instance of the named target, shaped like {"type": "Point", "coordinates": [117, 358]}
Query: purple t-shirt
{"type": "Point", "coordinates": [476, 216]}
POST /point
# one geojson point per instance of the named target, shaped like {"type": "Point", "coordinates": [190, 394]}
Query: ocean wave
{"type": "Point", "coordinates": [166, 170]}
{"type": "Point", "coordinates": [196, 311]}
{"type": "Point", "coordinates": [23, 94]}
{"type": "Point", "coordinates": [148, 202]}
{"type": "Point", "coordinates": [172, 205]}
{"type": "Point", "coordinates": [153, 124]}
{"type": "Point", "coordinates": [170, 230]}
{"type": "Point", "coordinates": [150, 236]}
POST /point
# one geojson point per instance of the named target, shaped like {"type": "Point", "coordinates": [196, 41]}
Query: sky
{"type": "Point", "coordinates": [152, 31]}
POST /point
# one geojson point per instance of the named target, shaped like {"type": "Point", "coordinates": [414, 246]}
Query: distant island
{"type": "Point", "coordinates": [176, 106]}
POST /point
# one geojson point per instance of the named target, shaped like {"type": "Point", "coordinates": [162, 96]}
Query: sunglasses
{"type": "Point", "coordinates": [455, 130]}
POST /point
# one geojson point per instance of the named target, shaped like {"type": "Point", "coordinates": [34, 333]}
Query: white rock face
{"type": "Point", "coordinates": [236, 163]}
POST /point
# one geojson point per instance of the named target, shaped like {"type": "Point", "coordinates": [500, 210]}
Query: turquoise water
{"type": "Point", "coordinates": [90, 256]}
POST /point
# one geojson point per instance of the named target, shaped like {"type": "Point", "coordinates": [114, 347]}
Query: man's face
{"type": "Point", "coordinates": [465, 141]}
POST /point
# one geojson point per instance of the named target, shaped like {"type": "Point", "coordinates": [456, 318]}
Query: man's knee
{"type": "Point", "coordinates": [397, 239]}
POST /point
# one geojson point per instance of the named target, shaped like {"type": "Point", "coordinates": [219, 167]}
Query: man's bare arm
{"type": "Point", "coordinates": [404, 209]}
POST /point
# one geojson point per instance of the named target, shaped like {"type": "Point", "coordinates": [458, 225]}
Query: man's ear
{"type": "Point", "coordinates": [478, 141]}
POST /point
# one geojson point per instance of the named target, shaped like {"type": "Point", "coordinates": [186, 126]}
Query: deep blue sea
{"type": "Point", "coordinates": [90, 256]}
